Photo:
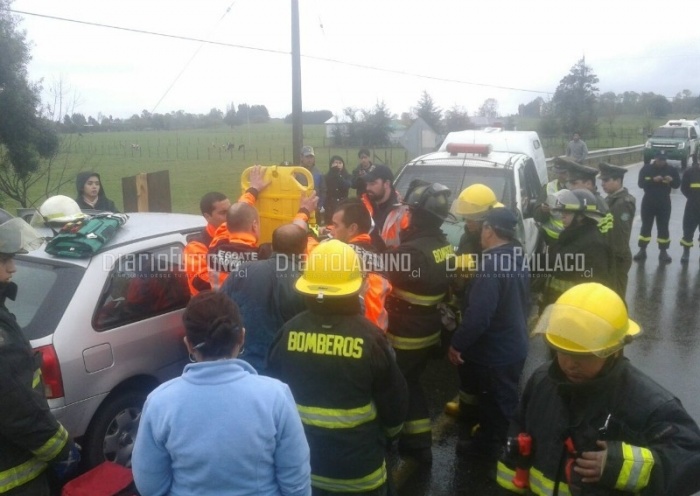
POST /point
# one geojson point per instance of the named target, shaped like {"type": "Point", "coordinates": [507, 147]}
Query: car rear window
{"type": "Point", "coordinates": [45, 289]}
{"type": "Point", "coordinates": [671, 132]}
{"type": "Point", "coordinates": [455, 178]}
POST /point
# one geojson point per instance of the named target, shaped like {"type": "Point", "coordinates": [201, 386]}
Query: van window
{"type": "Point", "coordinates": [143, 285]}
{"type": "Point", "coordinates": [458, 178]}
{"type": "Point", "coordinates": [45, 289]}
{"type": "Point", "coordinates": [693, 133]}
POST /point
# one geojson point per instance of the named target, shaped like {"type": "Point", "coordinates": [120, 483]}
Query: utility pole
{"type": "Point", "coordinates": [297, 125]}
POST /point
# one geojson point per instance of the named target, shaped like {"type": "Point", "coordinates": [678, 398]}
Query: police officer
{"type": "Point", "coordinates": [31, 439]}
{"type": "Point", "coordinates": [340, 367]}
{"type": "Point", "coordinates": [657, 180]}
{"type": "Point", "coordinates": [583, 177]}
{"type": "Point", "coordinates": [414, 317]}
{"type": "Point", "coordinates": [622, 207]}
{"type": "Point", "coordinates": [690, 187]}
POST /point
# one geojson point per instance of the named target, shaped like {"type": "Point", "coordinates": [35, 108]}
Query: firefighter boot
{"type": "Point", "coordinates": [685, 258]}
{"type": "Point", "coordinates": [664, 257]}
{"type": "Point", "coordinates": [641, 254]}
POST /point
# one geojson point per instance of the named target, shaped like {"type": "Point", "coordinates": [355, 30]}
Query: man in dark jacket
{"type": "Point", "coordinates": [597, 424]}
{"type": "Point", "coordinates": [622, 207]}
{"type": "Point", "coordinates": [419, 286]}
{"type": "Point", "coordinates": [690, 187]}
{"type": "Point", "coordinates": [491, 341]}
{"type": "Point", "coordinates": [337, 185]}
{"type": "Point", "coordinates": [31, 439]}
{"type": "Point", "coordinates": [657, 180]}
{"type": "Point", "coordinates": [91, 193]}
{"type": "Point", "coordinates": [346, 383]}
{"type": "Point", "coordinates": [358, 173]}
{"type": "Point", "coordinates": [264, 292]}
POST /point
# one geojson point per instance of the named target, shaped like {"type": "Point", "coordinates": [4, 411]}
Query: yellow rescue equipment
{"type": "Point", "coordinates": [279, 202]}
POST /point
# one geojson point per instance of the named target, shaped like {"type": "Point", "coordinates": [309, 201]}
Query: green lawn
{"type": "Point", "coordinates": [197, 160]}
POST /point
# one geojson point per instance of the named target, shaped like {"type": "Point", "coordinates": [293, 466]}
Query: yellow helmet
{"type": "Point", "coordinates": [473, 202]}
{"type": "Point", "coordinates": [587, 319]}
{"type": "Point", "coordinates": [332, 269]}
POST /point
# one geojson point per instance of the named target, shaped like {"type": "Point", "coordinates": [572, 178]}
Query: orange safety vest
{"type": "Point", "coordinates": [376, 287]}
{"type": "Point", "coordinates": [195, 255]}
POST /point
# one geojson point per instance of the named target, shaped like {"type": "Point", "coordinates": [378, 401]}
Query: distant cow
{"type": "Point", "coordinates": [228, 146]}
{"type": "Point", "coordinates": [241, 147]}
{"type": "Point", "coordinates": [135, 146]}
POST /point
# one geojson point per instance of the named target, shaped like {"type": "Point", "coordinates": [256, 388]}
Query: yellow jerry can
{"type": "Point", "coordinates": [279, 202]}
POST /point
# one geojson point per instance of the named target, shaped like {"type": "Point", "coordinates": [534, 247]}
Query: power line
{"type": "Point", "coordinates": [281, 52]}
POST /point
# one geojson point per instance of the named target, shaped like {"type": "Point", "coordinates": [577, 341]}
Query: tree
{"type": "Point", "coordinates": [575, 100]}
{"type": "Point", "coordinates": [489, 108]}
{"type": "Point", "coordinates": [230, 116]}
{"type": "Point", "coordinates": [27, 138]}
{"type": "Point", "coordinates": [457, 119]}
{"type": "Point", "coordinates": [610, 106]}
{"type": "Point", "coordinates": [429, 112]}
{"type": "Point", "coordinates": [532, 109]}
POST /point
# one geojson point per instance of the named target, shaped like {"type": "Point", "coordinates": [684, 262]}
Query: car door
{"type": "Point", "coordinates": [527, 190]}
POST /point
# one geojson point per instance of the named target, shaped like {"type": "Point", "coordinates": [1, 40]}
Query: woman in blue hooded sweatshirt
{"type": "Point", "coordinates": [91, 193]}
{"type": "Point", "coordinates": [220, 429]}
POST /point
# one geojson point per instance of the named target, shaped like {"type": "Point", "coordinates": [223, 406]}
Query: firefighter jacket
{"type": "Point", "coordinates": [376, 287]}
{"type": "Point", "coordinates": [622, 207]}
{"type": "Point", "coordinates": [551, 225]}
{"type": "Point", "coordinates": [581, 254]}
{"type": "Point", "coordinates": [653, 444]}
{"type": "Point", "coordinates": [419, 285]}
{"type": "Point", "coordinates": [690, 185]}
{"type": "Point", "coordinates": [493, 330]}
{"type": "Point", "coordinates": [658, 192]}
{"type": "Point", "coordinates": [388, 220]}
{"type": "Point", "coordinates": [196, 265]}
{"type": "Point", "coordinates": [348, 388]}
{"type": "Point", "coordinates": [30, 436]}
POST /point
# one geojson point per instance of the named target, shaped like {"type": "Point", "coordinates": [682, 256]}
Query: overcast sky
{"type": "Point", "coordinates": [462, 52]}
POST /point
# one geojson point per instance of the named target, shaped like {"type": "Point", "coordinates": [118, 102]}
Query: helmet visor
{"type": "Point", "coordinates": [577, 331]}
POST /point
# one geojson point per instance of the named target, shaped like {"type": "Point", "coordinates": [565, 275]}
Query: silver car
{"type": "Point", "coordinates": [109, 328]}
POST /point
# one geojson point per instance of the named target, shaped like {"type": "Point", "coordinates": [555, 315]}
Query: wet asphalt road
{"type": "Point", "coordinates": [663, 299]}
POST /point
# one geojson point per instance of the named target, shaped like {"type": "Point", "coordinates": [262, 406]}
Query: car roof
{"type": "Point", "coordinates": [492, 160]}
{"type": "Point", "coordinates": [140, 226]}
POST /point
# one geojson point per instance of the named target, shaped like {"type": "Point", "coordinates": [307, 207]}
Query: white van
{"type": "Point", "coordinates": [511, 163]}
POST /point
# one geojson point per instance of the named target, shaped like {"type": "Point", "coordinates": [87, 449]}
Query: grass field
{"type": "Point", "coordinates": [198, 160]}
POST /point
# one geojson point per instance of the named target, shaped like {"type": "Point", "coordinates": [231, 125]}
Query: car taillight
{"type": "Point", "coordinates": [477, 149]}
{"type": "Point", "coordinates": [51, 372]}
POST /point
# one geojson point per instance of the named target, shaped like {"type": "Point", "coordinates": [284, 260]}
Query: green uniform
{"type": "Point", "coordinates": [622, 207]}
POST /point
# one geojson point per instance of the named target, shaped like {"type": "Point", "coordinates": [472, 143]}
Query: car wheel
{"type": "Point", "coordinates": [112, 432]}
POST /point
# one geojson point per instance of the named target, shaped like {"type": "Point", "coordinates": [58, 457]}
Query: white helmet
{"type": "Point", "coordinates": [58, 209]}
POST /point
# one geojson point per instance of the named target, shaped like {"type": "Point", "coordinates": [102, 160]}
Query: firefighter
{"type": "Point", "coordinates": [490, 344]}
{"type": "Point", "coordinates": [382, 200]}
{"type": "Point", "coordinates": [657, 180]}
{"type": "Point", "coordinates": [581, 254]}
{"type": "Point", "coordinates": [414, 316]}
{"type": "Point", "coordinates": [690, 187]}
{"type": "Point", "coordinates": [31, 439]}
{"type": "Point", "coordinates": [472, 205]}
{"type": "Point", "coordinates": [598, 424]}
{"type": "Point", "coordinates": [346, 383]}
{"type": "Point", "coordinates": [622, 207]}
{"type": "Point", "coordinates": [351, 224]}
{"type": "Point", "coordinates": [550, 224]}
{"type": "Point", "coordinates": [214, 207]}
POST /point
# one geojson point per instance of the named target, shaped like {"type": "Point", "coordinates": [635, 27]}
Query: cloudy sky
{"type": "Point", "coordinates": [355, 53]}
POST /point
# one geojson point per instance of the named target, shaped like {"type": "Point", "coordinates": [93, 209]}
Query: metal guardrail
{"type": "Point", "coordinates": [595, 156]}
